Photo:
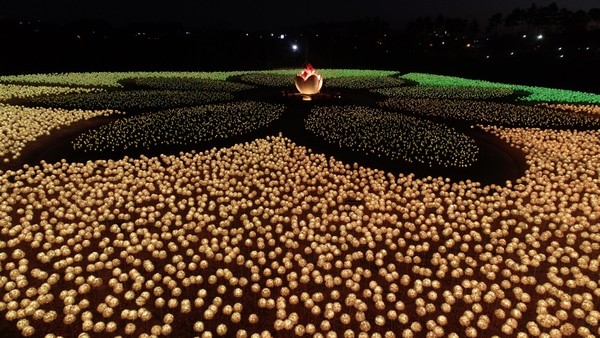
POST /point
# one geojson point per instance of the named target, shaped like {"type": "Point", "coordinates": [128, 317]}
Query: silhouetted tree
{"type": "Point", "coordinates": [514, 19]}
{"type": "Point", "coordinates": [576, 22]}
{"type": "Point", "coordinates": [420, 27]}
{"type": "Point", "coordinates": [594, 17]}
{"type": "Point", "coordinates": [440, 23]}
{"type": "Point", "coordinates": [456, 26]}
{"type": "Point", "coordinates": [494, 22]}
{"type": "Point", "coordinates": [474, 28]}
{"type": "Point", "coordinates": [531, 17]}
{"type": "Point", "coordinates": [549, 17]}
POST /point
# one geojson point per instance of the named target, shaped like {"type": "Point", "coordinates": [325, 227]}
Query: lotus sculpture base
{"type": "Point", "coordinates": [312, 97]}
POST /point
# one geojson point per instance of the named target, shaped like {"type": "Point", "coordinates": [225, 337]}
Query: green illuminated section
{"type": "Point", "coordinates": [537, 94]}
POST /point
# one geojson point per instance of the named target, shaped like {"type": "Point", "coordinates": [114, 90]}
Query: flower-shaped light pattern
{"type": "Point", "coordinates": [267, 237]}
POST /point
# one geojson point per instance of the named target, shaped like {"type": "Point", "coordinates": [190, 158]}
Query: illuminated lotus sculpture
{"type": "Point", "coordinates": [308, 81]}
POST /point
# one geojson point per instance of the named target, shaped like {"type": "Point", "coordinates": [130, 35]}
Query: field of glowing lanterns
{"type": "Point", "coordinates": [323, 203]}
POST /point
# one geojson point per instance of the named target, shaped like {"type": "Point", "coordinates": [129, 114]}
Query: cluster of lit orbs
{"type": "Point", "coordinates": [20, 125]}
{"type": "Point", "coordinates": [115, 79]}
{"type": "Point", "coordinates": [268, 80]}
{"type": "Point", "coordinates": [268, 237]}
{"type": "Point", "coordinates": [575, 108]}
{"type": "Point", "coordinates": [392, 135]}
{"type": "Point", "coordinates": [127, 100]}
{"type": "Point", "coordinates": [495, 113]}
{"type": "Point", "coordinates": [363, 82]}
{"type": "Point", "coordinates": [180, 126]}
{"type": "Point", "coordinates": [14, 91]}
{"type": "Point", "coordinates": [341, 82]}
{"type": "Point", "coordinates": [104, 80]}
{"type": "Point", "coordinates": [189, 84]}
{"type": "Point", "coordinates": [445, 92]}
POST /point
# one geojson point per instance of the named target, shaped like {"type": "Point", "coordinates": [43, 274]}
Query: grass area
{"type": "Point", "coordinates": [536, 94]}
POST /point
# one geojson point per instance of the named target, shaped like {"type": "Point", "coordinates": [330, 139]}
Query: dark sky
{"type": "Point", "coordinates": [264, 14]}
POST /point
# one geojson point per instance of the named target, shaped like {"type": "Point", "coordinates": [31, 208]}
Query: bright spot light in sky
{"type": "Point", "coordinates": [540, 37]}
{"type": "Point", "coordinates": [282, 36]}
{"type": "Point", "coordinates": [295, 48]}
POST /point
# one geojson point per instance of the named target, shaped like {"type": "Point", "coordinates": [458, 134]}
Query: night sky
{"type": "Point", "coordinates": [265, 14]}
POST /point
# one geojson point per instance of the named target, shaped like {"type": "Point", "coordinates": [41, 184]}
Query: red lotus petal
{"type": "Point", "coordinates": [307, 72]}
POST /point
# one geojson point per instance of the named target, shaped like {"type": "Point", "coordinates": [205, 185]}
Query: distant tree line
{"type": "Point", "coordinates": [534, 19]}
{"type": "Point", "coordinates": [549, 18]}
{"type": "Point", "coordinates": [454, 46]}
{"type": "Point", "coordinates": [442, 25]}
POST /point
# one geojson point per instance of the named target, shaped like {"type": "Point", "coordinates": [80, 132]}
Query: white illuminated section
{"type": "Point", "coordinates": [295, 48]}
